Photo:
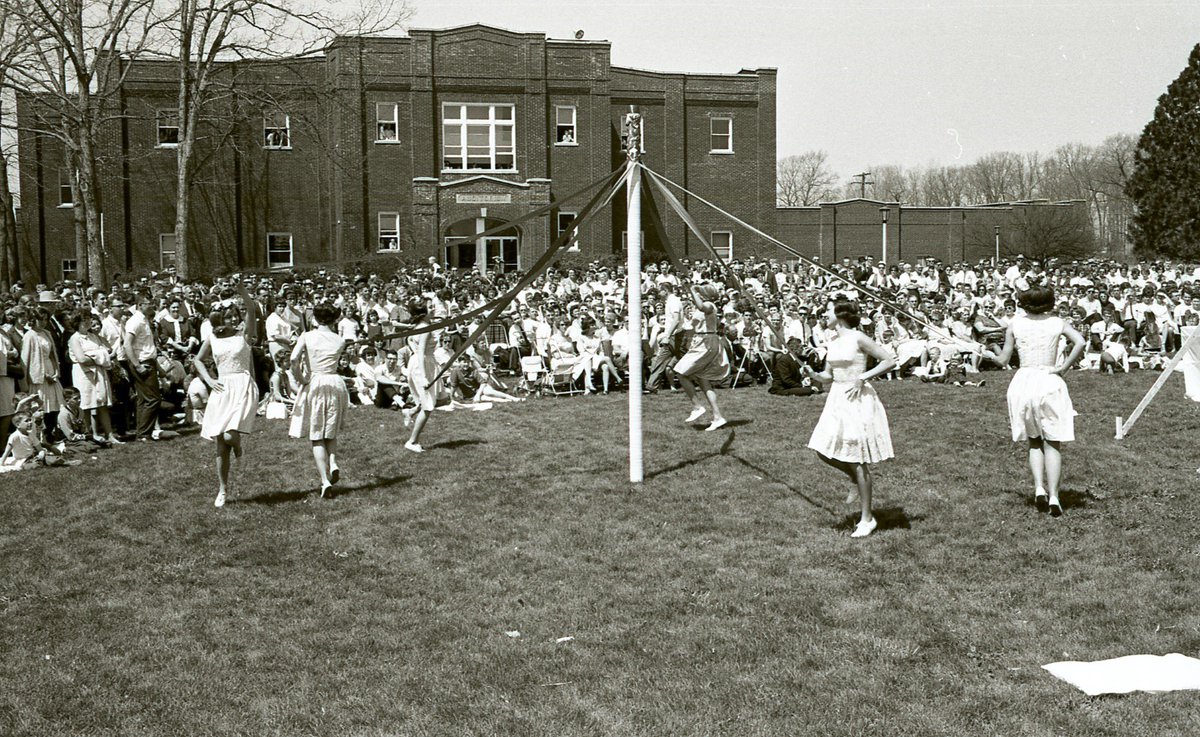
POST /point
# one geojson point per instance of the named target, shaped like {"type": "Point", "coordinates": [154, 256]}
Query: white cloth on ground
{"type": "Point", "coordinates": [1151, 673]}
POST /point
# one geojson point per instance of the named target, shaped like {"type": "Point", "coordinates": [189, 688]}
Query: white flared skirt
{"type": "Point", "coordinates": [1039, 406]}
{"type": "Point", "coordinates": [854, 431]}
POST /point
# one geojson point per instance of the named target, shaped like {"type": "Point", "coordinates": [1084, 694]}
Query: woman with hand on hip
{"type": "Point", "coordinates": [233, 395]}
{"type": "Point", "coordinates": [422, 367]}
{"type": "Point", "coordinates": [320, 407]}
{"type": "Point", "coordinates": [853, 431]}
{"type": "Point", "coordinates": [1039, 407]}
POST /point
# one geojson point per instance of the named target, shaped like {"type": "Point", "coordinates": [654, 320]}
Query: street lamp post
{"type": "Point", "coordinates": [883, 212]}
{"type": "Point", "coordinates": [996, 232]}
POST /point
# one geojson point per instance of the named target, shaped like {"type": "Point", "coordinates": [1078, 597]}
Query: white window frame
{"type": "Point", "coordinates": [713, 134]}
{"type": "Point", "coordinates": [394, 233]}
{"type": "Point", "coordinates": [64, 188]}
{"type": "Point", "coordinates": [493, 123]}
{"type": "Point", "coordinates": [159, 127]}
{"type": "Point", "coordinates": [559, 229]}
{"type": "Point", "coordinates": [73, 271]}
{"type": "Point", "coordinates": [287, 132]}
{"type": "Point", "coordinates": [712, 240]}
{"type": "Point", "coordinates": [573, 125]}
{"type": "Point", "coordinates": [291, 251]}
{"type": "Point", "coordinates": [162, 252]}
{"type": "Point", "coordinates": [395, 121]}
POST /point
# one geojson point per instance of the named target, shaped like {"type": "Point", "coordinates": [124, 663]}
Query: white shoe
{"type": "Point", "coordinates": [716, 424]}
{"type": "Point", "coordinates": [865, 528]}
{"type": "Point", "coordinates": [414, 447]}
{"type": "Point", "coordinates": [696, 414]}
{"type": "Point", "coordinates": [220, 500]}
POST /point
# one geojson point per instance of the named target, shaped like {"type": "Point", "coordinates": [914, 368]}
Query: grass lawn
{"type": "Point", "coordinates": [724, 597]}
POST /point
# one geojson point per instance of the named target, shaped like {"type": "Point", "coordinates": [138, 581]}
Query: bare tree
{"type": "Point", "coordinates": [73, 68]}
{"type": "Point", "coordinates": [211, 33]}
{"type": "Point", "coordinates": [11, 45]}
{"type": "Point", "coordinates": [805, 179]}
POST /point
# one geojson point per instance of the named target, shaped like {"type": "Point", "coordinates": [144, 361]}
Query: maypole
{"type": "Point", "coordinates": [633, 285]}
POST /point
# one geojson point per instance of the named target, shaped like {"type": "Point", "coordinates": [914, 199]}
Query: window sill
{"type": "Point", "coordinates": [277, 148]}
{"type": "Point", "coordinates": [66, 206]}
{"type": "Point", "coordinates": [480, 171]}
{"type": "Point", "coordinates": [387, 143]}
{"type": "Point", "coordinates": [280, 267]}
{"type": "Point", "coordinates": [167, 145]}
{"type": "Point", "coordinates": [567, 145]}
{"type": "Point", "coordinates": [387, 250]}
{"type": "Point", "coordinates": [721, 152]}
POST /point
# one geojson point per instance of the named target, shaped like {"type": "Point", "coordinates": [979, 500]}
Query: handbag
{"type": "Point", "coordinates": [277, 411]}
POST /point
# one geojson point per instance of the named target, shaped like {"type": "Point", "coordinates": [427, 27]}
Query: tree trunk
{"type": "Point", "coordinates": [8, 227]}
{"type": "Point", "coordinates": [89, 192]}
{"type": "Point", "coordinates": [187, 115]}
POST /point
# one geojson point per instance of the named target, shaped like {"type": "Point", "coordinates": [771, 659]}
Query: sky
{"type": "Point", "coordinates": [902, 82]}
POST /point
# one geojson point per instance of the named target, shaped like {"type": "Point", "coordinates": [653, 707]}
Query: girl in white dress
{"type": "Point", "coordinates": [1039, 407]}
{"type": "Point", "coordinates": [91, 359]}
{"type": "Point", "coordinates": [233, 395]}
{"type": "Point", "coordinates": [41, 368]}
{"type": "Point", "coordinates": [422, 367]}
{"type": "Point", "coordinates": [322, 401]}
{"type": "Point", "coordinates": [705, 363]}
{"type": "Point", "coordinates": [853, 431]}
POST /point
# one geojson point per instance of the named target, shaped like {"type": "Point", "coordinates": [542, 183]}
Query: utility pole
{"type": "Point", "coordinates": [862, 183]}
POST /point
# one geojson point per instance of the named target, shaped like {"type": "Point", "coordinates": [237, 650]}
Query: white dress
{"type": "Point", "coordinates": [422, 366]}
{"type": "Point", "coordinates": [233, 408]}
{"type": "Point", "coordinates": [1039, 405]}
{"type": "Point", "coordinates": [851, 430]}
{"type": "Point", "coordinates": [321, 404]}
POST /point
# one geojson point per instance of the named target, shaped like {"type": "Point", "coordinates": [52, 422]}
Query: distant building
{"type": "Point", "coordinates": [393, 145]}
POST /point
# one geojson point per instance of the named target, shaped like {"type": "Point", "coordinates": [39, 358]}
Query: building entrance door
{"type": "Point", "coordinates": [500, 253]}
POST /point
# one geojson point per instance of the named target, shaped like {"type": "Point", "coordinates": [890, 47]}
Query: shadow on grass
{"type": "Point", "coordinates": [461, 443]}
{"type": "Point", "coordinates": [299, 495]}
{"type": "Point", "coordinates": [889, 518]}
{"type": "Point", "coordinates": [732, 424]}
{"type": "Point", "coordinates": [1070, 498]}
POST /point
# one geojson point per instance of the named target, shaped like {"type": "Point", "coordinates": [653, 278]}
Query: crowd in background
{"type": "Point", "coordinates": [83, 368]}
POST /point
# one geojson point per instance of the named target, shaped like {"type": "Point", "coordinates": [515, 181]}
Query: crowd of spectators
{"type": "Point", "coordinates": [83, 368]}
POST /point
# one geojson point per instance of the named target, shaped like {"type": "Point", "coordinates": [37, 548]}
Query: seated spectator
{"type": "Point", "coordinates": [389, 381]}
{"type": "Point", "coordinates": [789, 378]}
{"type": "Point", "coordinates": [1113, 354]}
{"type": "Point", "coordinates": [364, 376]}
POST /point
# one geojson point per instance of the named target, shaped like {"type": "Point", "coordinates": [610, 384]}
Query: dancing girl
{"type": "Point", "coordinates": [233, 395]}
{"type": "Point", "coordinates": [320, 406]}
{"type": "Point", "coordinates": [853, 431]}
{"type": "Point", "coordinates": [705, 362]}
{"type": "Point", "coordinates": [422, 367]}
{"type": "Point", "coordinates": [1040, 412]}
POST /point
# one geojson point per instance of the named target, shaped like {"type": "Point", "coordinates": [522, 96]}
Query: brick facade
{"type": "Point", "coordinates": [338, 174]}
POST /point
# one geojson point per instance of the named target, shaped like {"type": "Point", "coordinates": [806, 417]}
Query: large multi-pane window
{"type": "Point", "coordinates": [478, 136]}
{"type": "Point", "coordinates": [279, 250]}
{"type": "Point", "coordinates": [721, 135]}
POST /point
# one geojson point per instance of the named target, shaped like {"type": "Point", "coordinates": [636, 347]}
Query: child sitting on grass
{"type": "Point", "coordinates": [956, 373]}
{"type": "Point", "coordinates": [1151, 342]}
{"type": "Point", "coordinates": [25, 446]}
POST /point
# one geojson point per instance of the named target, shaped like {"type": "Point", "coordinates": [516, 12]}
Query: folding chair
{"type": "Point", "coordinates": [534, 377]}
{"type": "Point", "coordinates": [748, 356]}
{"type": "Point", "coordinates": [561, 378]}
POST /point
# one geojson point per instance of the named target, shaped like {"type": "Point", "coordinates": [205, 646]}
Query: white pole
{"type": "Point", "coordinates": [884, 257]}
{"type": "Point", "coordinates": [633, 282]}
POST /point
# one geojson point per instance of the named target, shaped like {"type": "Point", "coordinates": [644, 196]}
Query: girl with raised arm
{"type": "Point", "coordinates": [853, 431]}
{"type": "Point", "coordinates": [705, 363]}
{"type": "Point", "coordinates": [1039, 406]}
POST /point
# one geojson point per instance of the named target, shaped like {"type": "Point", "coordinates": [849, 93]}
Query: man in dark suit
{"type": "Point", "coordinates": [790, 380]}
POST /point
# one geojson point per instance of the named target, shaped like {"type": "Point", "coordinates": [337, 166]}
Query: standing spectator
{"type": "Point", "coordinates": [92, 359]}
{"type": "Point", "coordinates": [40, 356]}
{"type": "Point", "coordinates": [142, 354]}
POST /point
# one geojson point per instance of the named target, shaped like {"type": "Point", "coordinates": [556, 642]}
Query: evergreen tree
{"type": "Point", "coordinates": [1165, 186]}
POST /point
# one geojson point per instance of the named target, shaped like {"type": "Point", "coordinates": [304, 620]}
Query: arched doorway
{"type": "Point", "coordinates": [500, 251]}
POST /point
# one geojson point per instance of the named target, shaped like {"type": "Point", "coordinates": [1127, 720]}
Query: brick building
{"type": "Point", "coordinates": [393, 145]}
